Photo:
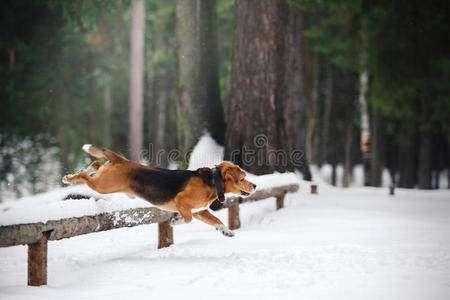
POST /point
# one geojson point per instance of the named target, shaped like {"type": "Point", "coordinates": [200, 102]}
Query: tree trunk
{"type": "Point", "coordinates": [311, 139]}
{"type": "Point", "coordinates": [63, 154]}
{"type": "Point", "coordinates": [160, 123]}
{"type": "Point", "coordinates": [424, 167]}
{"type": "Point", "coordinates": [348, 152]}
{"type": "Point", "coordinates": [448, 160]}
{"type": "Point", "coordinates": [333, 174]}
{"type": "Point", "coordinates": [294, 109]}
{"type": "Point", "coordinates": [12, 59]}
{"type": "Point", "coordinates": [199, 106]}
{"type": "Point", "coordinates": [327, 113]}
{"type": "Point", "coordinates": [377, 149]}
{"type": "Point", "coordinates": [107, 97]}
{"type": "Point", "coordinates": [152, 94]}
{"type": "Point", "coordinates": [266, 125]}
{"type": "Point", "coordinates": [407, 153]}
{"type": "Point", "coordinates": [365, 129]}
{"type": "Point", "coordinates": [136, 111]}
{"type": "Point", "coordinates": [435, 179]}
{"type": "Point", "coordinates": [364, 107]}
{"type": "Point", "coordinates": [406, 166]}
{"type": "Point", "coordinates": [91, 134]}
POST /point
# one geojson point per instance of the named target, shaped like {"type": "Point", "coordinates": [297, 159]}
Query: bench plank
{"type": "Point", "coordinates": [22, 234]}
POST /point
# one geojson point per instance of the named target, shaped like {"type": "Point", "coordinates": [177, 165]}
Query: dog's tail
{"type": "Point", "coordinates": [100, 153]}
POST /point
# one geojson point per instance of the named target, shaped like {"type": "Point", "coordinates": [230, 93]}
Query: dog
{"type": "Point", "coordinates": [189, 193]}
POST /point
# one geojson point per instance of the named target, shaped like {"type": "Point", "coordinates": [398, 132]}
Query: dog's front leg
{"type": "Point", "coordinates": [184, 212]}
{"type": "Point", "coordinates": [208, 218]}
{"type": "Point", "coordinates": [177, 220]}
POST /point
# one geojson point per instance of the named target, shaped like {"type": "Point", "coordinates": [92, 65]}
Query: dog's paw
{"type": "Point", "coordinates": [177, 220]}
{"type": "Point", "coordinates": [224, 230]}
{"type": "Point", "coordinates": [79, 171]}
{"type": "Point", "coordinates": [64, 179]}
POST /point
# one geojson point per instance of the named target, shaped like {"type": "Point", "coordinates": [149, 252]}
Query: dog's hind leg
{"type": "Point", "coordinates": [93, 167]}
{"type": "Point", "coordinates": [80, 177]}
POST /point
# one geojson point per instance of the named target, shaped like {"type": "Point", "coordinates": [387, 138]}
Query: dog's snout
{"type": "Point", "coordinates": [254, 186]}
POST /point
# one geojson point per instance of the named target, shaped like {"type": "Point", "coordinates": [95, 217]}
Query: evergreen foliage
{"type": "Point", "coordinates": [58, 57]}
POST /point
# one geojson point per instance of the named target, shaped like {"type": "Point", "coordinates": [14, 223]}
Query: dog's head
{"type": "Point", "coordinates": [234, 180]}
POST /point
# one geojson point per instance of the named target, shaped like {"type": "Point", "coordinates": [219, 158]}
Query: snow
{"type": "Point", "coordinates": [357, 243]}
{"type": "Point", "coordinates": [273, 180]}
{"type": "Point", "coordinates": [206, 153]}
{"type": "Point", "coordinates": [51, 206]}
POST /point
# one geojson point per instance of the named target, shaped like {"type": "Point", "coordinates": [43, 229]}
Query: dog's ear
{"type": "Point", "coordinates": [226, 171]}
{"type": "Point", "coordinates": [229, 177]}
{"type": "Point", "coordinates": [233, 173]}
{"type": "Point", "coordinates": [206, 175]}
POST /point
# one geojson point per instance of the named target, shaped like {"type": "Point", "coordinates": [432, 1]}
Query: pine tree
{"type": "Point", "coordinates": [199, 106]}
{"type": "Point", "coordinates": [136, 110]}
{"type": "Point", "coordinates": [266, 109]}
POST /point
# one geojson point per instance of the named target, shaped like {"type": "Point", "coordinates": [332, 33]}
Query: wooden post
{"type": "Point", "coordinates": [37, 261]}
{"type": "Point", "coordinates": [165, 234]}
{"type": "Point", "coordinates": [233, 216]}
{"type": "Point", "coordinates": [391, 190]}
{"type": "Point", "coordinates": [314, 189]}
{"type": "Point", "coordinates": [280, 201]}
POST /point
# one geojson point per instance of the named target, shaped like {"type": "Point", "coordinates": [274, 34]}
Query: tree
{"type": "Point", "coordinates": [266, 122]}
{"type": "Point", "coordinates": [407, 58]}
{"type": "Point", "coordinates": [337, 33]}
{"type": "Point", "coordinates": [198, 96]}
{"type": "Point", "coordinates": [136, 110]}
{"type": "Point", "coordinates": [366, 142]}
{"type": "Point", "coordinates": [378, 147]}
{"type": "Point", "coordinates": [312, 77]}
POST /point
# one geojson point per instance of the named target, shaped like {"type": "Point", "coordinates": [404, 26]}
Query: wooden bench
{"type": "Point", "coordinates": [37, 235]}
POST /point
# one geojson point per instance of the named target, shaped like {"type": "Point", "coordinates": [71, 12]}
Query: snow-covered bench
{"type": "Point", "coordinates": [36, 235]}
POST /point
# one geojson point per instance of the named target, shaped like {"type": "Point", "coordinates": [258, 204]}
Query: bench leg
{"type": "Point", "coordinates": [391, 190]}
{"type": "Point", "coordinates": [313, 188]}
{"type": "Point", "coordinates": [280, 201]}
{"type": "Point", "coordinates": [165, 234]}
{"type": "Point", "coordinates": [37, 261]}
{"type": "Point", "coordinates": [233, 216]}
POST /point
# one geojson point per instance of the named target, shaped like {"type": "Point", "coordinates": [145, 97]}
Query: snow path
{"type": "Point", "coordinates": [358, 243]}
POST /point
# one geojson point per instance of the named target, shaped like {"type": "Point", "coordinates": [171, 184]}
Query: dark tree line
{"type": "Point", "coordinates": [342, 82]}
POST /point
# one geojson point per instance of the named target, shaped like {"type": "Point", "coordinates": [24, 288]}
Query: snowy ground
{"type": "Point", "coordinates": [358, 243]}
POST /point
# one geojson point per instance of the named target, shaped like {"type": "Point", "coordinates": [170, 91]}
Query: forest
{"type": "Point", "coordinates": [283, 85]}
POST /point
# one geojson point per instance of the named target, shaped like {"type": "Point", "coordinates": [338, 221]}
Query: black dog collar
{"type": "Point", "coordinates": [218, 181]}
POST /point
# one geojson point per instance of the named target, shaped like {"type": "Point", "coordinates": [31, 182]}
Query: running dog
{"type": "Point", "coordinates": [189, 193]}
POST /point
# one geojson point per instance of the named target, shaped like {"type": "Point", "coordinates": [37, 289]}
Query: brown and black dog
{"type": "Point", "coordinates": [187, 192]}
